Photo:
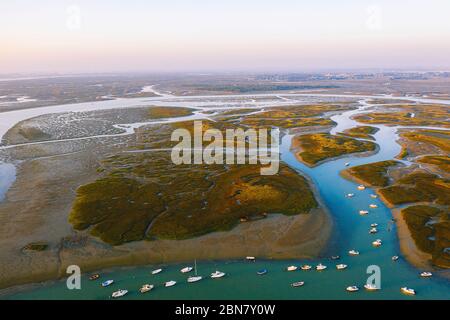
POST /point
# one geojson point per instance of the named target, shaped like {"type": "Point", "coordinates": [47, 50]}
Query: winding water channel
{"type": "Point", "coordinates": [242, 282]}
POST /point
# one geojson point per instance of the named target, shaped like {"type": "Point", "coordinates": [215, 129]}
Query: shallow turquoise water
{"type": "Point", "coordinates": [242, 282]}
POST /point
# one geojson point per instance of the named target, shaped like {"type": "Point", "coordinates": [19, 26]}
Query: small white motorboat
{"type": "Point", "coordinates": [156, 271]}
{"type": "Point", "coordinates": [107, 283]}
{"type": "Point", "coordinates": [249, 258]}
{"type": "Point", "coordinates": [361, 187]}
{"type": "Point", "coordinates": [306, 267]}
{"type": "Point", "coordinates": [170, 283]}
{"type": "Point", "coordinates": [373, 230]}
{"type": "Point", "coordinates": [352, 288]}
{"type": "Point", "coordinates": [377, 243]}
{"type": "Point", "coordinates": [291, 268]}
{"type": "Point", "coordinates": [363, 212]}
{"type": "Point", "coordinates": [347, 164]}
{"type": "Point", "coordinates": [353, 252]}
{"type": "Point", "coordinates": [119, 293]}
{"type": "Point", "coordinates": [146, 288]}
{"type": "Point", "coordinates": [217, 274]}
{"type": "Point", "coordinates": [374, 225]}
{"type": "Point", "coordinates": [408, 291]}
{"type": "Point", "coordinates": [371, 287]}
{"type": "Point", "coordinates": [373, 206]}
{"type": "Point", "coordinates": [194, 279]}
{"type": "Point", "coordinates": [373, 196]}
{"type": "Point", "coordinates": [262, 272]}
{"type": "Point", "coordinates": [341, 266]}
{"type": "Point", "coordinates": [186, 269]}
{"type": "Point", "coordinates": [394, 258]}
{"type": "Point", "coordinates": [320, 267]}
{"type": "Point", "coordinates": [426, 274]}
{"type": "Point", "coordinates": [350, 195]}
{"type": "Point", "coordinates": [297, 284]}
{"type": "Point", "coordinates": [335, 257]}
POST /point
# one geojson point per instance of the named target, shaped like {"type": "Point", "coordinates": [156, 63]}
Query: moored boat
{"type": "Point", "coordinates": [426, 274]}
{"type": "Point", "coordinates": [170, 283]}
{"type": "Point", "coordinates": [250, 258]}
{"type": "Point", "coordinates": [353, 252]}
{"type": "Point", "coordinates": [94, 277]}
{"type": "Point", "coordinates": [156, 271]}
{"type": "Point", "coordinates": [107, 283]}
{"type": "Point", "coordinates": [306, 267]}
{"type": "Point", "coordinates": [341, 266]}
{"type": "Point", "coordinates": [352, 288]}
{"type": "Point", "coordinates": [394, 258]}
{"type": "Point", "coordinates": [119, 293]}
{"type": "Point", "coordinates": [361, 187]}
{"type": "Point", "coordinates": [350, 195]}
{"type": "Point", "coordinates": [261, 272]}
{"type": "Point", "coordinates": [194, 279]}
{"type": "Point", "coordinates": [347, 164]}
{"type": "Point", "coordinates": [320, 267]}
{"type": "Point", "coordinates": [373, 230]}
{"type": "Point", "coordinates": [186, 269]}
{"type": "Point", "coordinates": [146, 288]}
{"type": "Point", "coordinates": [373, 196]}
{"type": "Point", "coordinates": [291, 268]}
{"type": "Point", "coordinates": [297, 284]}
{"type": "Point", "coordinates": [374, 225]}
{"type": "Point", "coordinates": [373, 206]}
{"type": "Point", "coordinates": [217, 274]}
{"type": "Point", "coordinates": [335, 257]}
{"type": "Point", "coordinates": [377, 243]}
{"type": "Point", "coordinates": [371, 287]}
{"type": "Point", "coordinates": [408, 291]}
{"type": "Point", "coordinates": [363, 212]}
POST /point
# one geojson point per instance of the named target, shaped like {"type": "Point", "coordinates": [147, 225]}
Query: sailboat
{"type": "Point", "coordinates": [194, 278]}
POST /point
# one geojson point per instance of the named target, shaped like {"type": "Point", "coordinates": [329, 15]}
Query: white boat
{"type": "Point", "coordinates": [320, 267]}
{"type": "Point", "coordinates": [363, 212]}
{"type": "Point", "coordinates": [426, 274]}
{"type": "Point", "coordinates": [394, 258]}
{"type": "Point", "coordinates": [353, 252]}
{"type": "Point", "coordinates": [170, 283]}
{"type": "Point", "coordinates": [349, 195]}
{"type": "Point", "coordinates": [107, 283]}
{"type": "Point", "coordinates": [373, 206]}
{"type": "Point", "coordinates": [119, 293]}
{"type": "Point", "coordinates": [374, 225]}
{"type": "Point", "coordinates": [341, 266]}
{"type": "Point", "coordinates": [306, 267]}
{"type": "Point", "coordinates": [249, 258]}
{"type": "Point", "coordinates": [156, 271]}
{"type": "Point", "coordinates": [371, 287]}
{"type": "Point", "coordinates": [347, 164]}
{"type": "Point", "coordinates": [361, 187]}
{"type": "Point", "coordinates": [217, 274]}
{"type": "Point", "coordinates": [292, 268]}
{"type": "Point", "coordinates": [373, 230]}
{"type": "Point", "coordinates": [408, 291]}
{"type": "Point", "coordinates": [146, 288]}
{"type": "Point", "coordinates": [194, 279]}
{"type": "Point", "coordinates": [186, 269]}
{"type": "Point", "coordinates": [373, 196]}
{"type": "Point", "coordinates": [377, 243]}
{"type": "Point", "coordinates": [298, 284]}
{"type": "Point", "coordinates": [352, 288]}
{"type": "Point", "coordinates": [335, 257]}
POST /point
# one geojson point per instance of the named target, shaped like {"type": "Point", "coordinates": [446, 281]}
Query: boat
{"type": "Point", "coordinates": [119, 293]}
{"type": "Point", "coordinates": [350, 195]}
{"type": "Point", "coordinates": [146, 288]}
{"type": "Point", "coordinates": [195, 277]}
{"type": "Point", "coordinates": [347, 164]}
{"type": "Point", "coordinates": [156, 271]}
{"type": "Point", "coordinates": [363, 212]}
{"type": "Point", "coordinates": [353, 252]}
{"type": "Point", "coordinates": [170, 283]}
{"type": "Point", "coordinates": [261, 272]}
{"type": "Point", "coordinates": [291, 268]}
{"type": "Point", "coordinates": [373, 206]}
{"type": "Point", "coordinates": [394, 258]}
{"type": "Point", "coordinates": [373, 230]}
{"type": "Point", "coordinates": [335, 257]}
{"type": "Point", "coordinates": [250, 258]}
{"type": "Point", "coordinates": [341, 266]}
{"type": "Point", "coordinates": [217, 274]}
{"type": "Point", "coordinates": [408, 291]}
{"type": "Point", "coordinates": [306, 267]}
{"type": "Point", "coordinates": [186, 270]}
{"type": "Point", "coordinates": [371, 287]}
{"type": "Point", "coordinates": [374, 225]}
{"type": "Point", "coordinates": [107, 283]}
{"type": "Point", "coordinates": [377, 243]}
{"type": "Point", "coordinates": [352, 288]}
{"type": "Point", "coordinates": [94, 277]}
{"type": "Point", "coordinates": [373, 196]}
{"type": "Point", "coordinates": [297, 284]}
{"type": "Point", "coordinates": [426, 274]}
{"type": "Point", "coordinates": [320, 267]}
{"type": "Point", "coordinates": [361, 187]}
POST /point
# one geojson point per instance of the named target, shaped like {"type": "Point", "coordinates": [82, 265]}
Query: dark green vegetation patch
{"type": "Point", "coordinates": [373, 174]}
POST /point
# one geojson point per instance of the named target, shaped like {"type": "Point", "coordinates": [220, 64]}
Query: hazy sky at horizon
{"type": "Point", "coordinates": [200, 35]}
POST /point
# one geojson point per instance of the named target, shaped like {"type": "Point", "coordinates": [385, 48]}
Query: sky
{"type": "Point", "coordinates": [82, 36]}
